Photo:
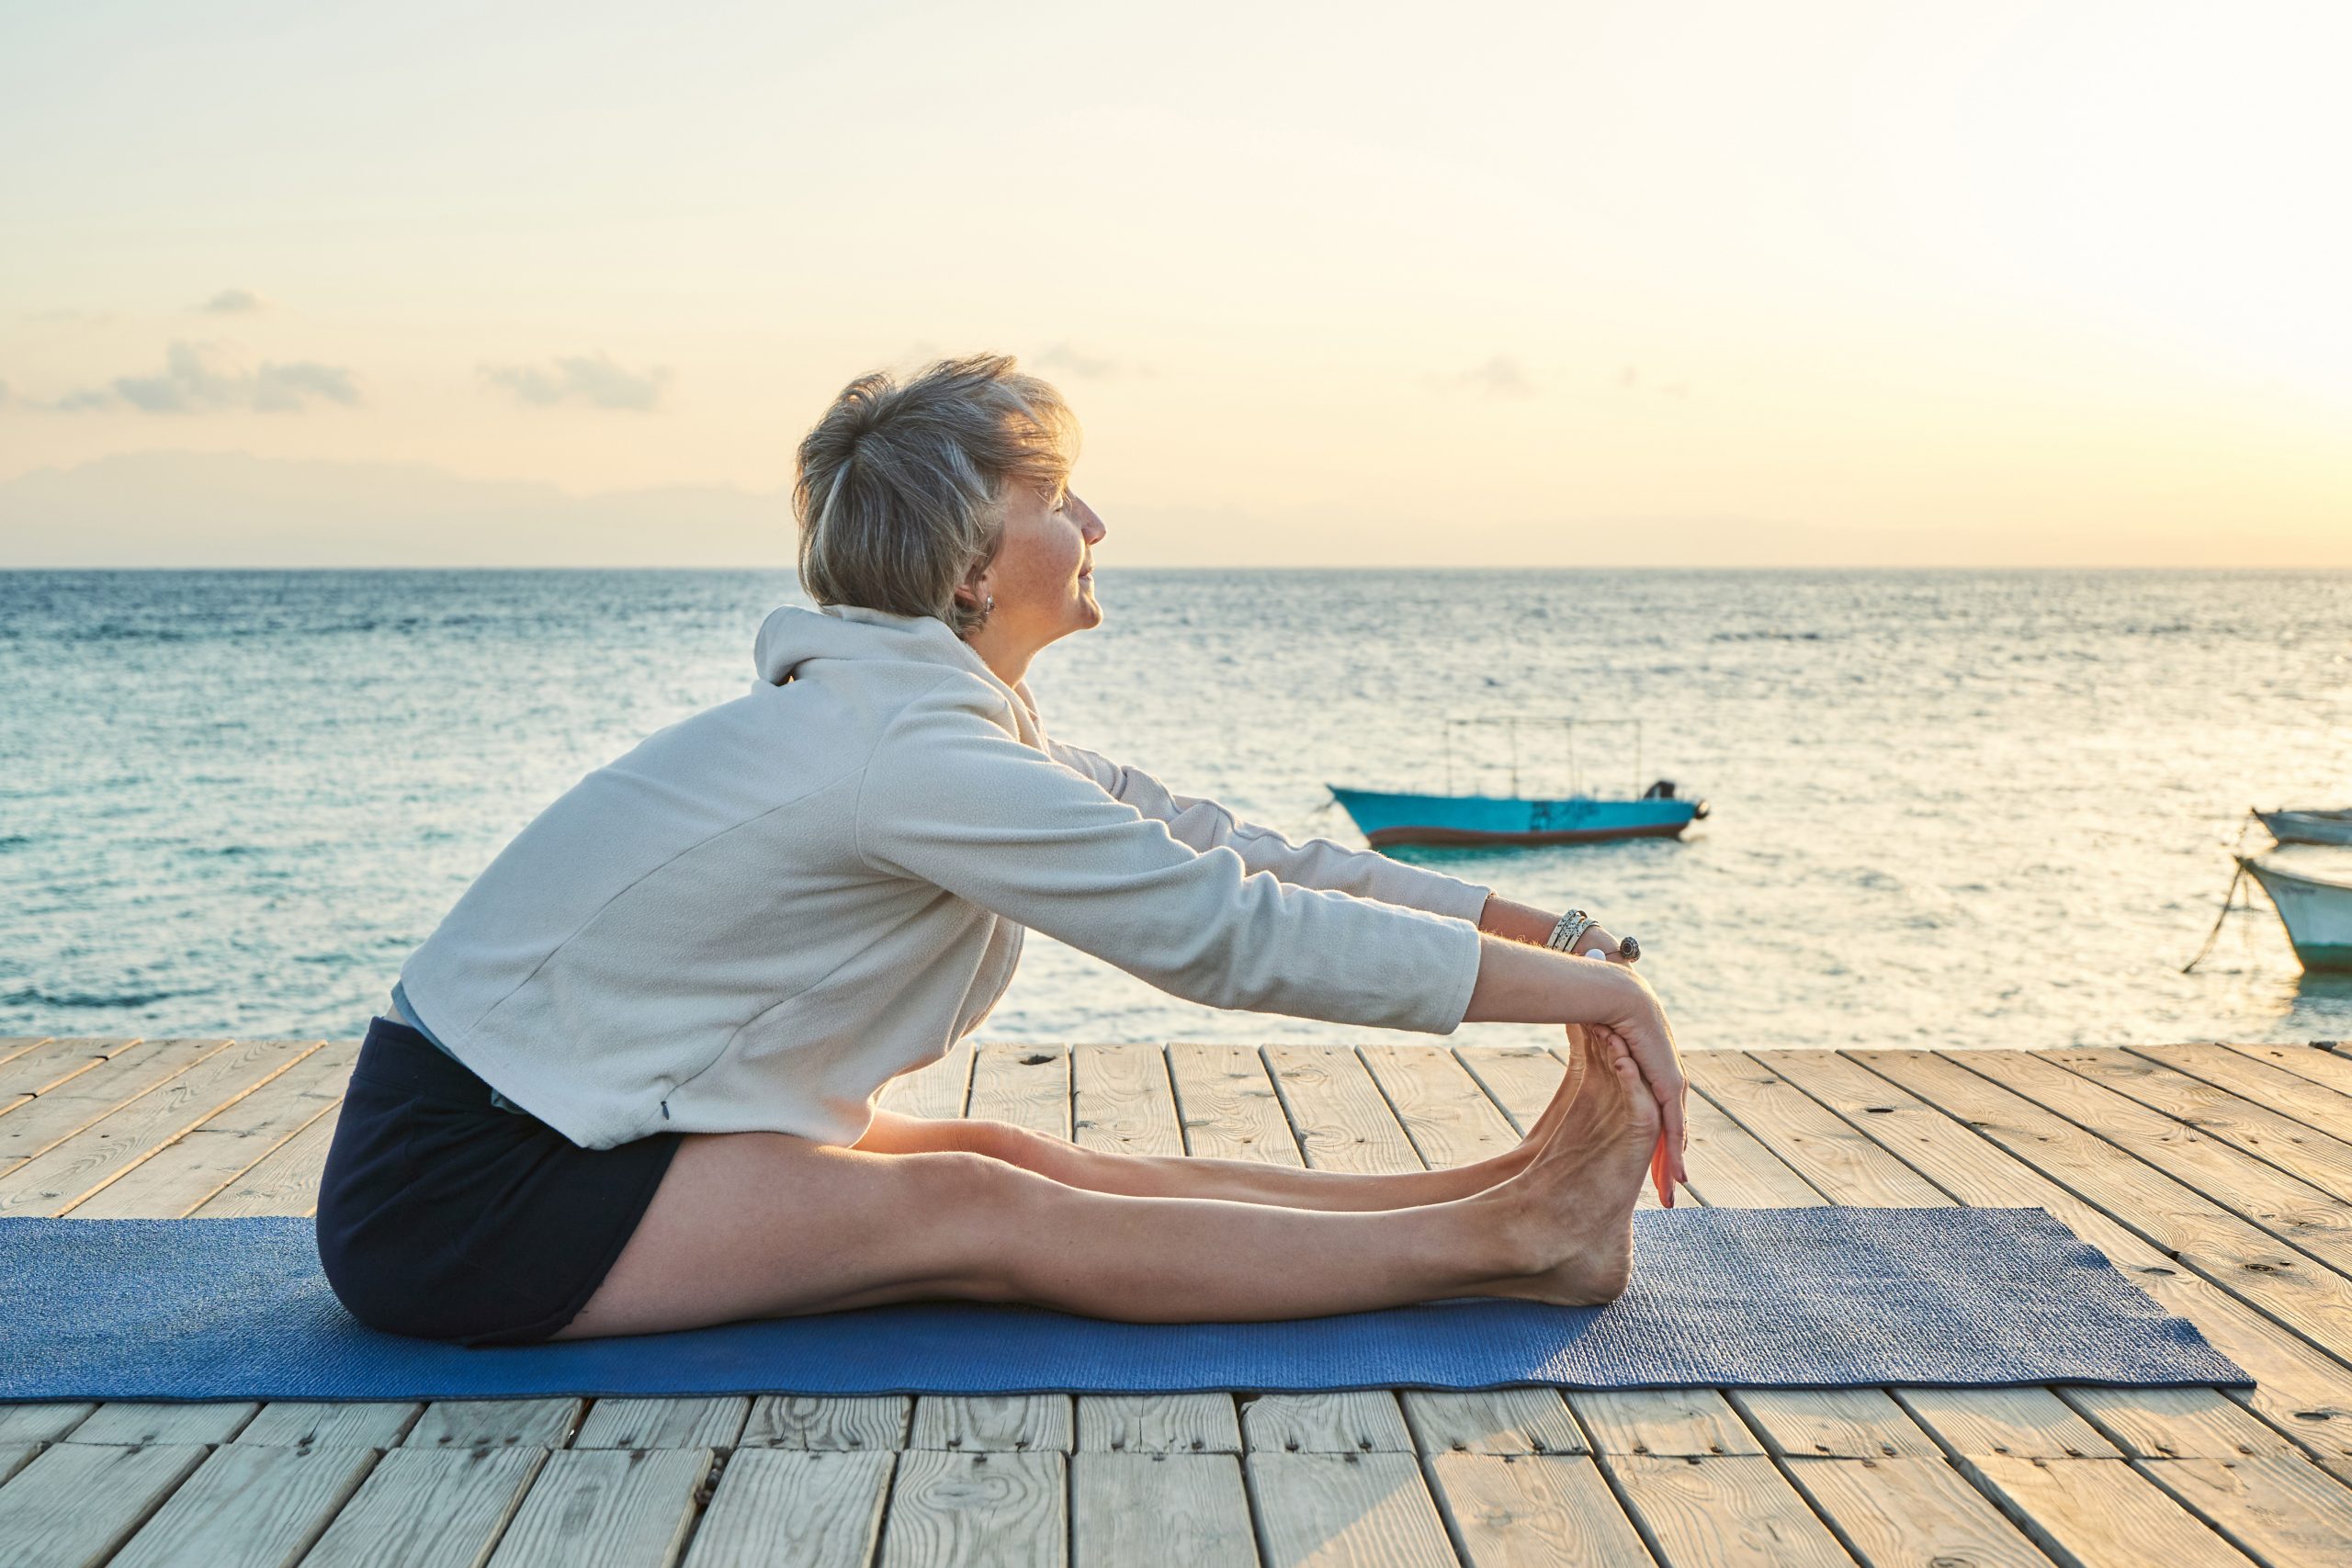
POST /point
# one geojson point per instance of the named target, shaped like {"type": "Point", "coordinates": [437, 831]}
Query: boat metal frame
{"type": "Point", "coordinates": [1510, 727]}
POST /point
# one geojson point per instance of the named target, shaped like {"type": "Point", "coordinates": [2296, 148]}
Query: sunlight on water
{"type": "Point", "coordinates": [1951, 808]}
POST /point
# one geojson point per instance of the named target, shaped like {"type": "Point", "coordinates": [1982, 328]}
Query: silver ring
{"type": "Point", "coordinates": [1631, 949]}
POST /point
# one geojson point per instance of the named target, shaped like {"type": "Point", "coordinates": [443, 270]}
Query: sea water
{"type": "Point", "coordinates": [1950, 808]}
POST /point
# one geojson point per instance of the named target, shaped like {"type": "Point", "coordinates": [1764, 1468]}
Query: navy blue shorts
{"type": "Point", "coordinates": [444, 1216]}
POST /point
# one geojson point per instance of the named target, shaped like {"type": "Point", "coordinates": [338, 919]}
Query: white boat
{"type": "Point", "coordinates": [2308, 827]}
{"type": "Point", "coordinates": [2315, 907]}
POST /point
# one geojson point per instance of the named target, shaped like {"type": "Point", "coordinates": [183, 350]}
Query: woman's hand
{"type": "Point", "coordinates": [1597, 943]}
{"type": "Point", "coordinates": [1638, 1020]}
{"type": "Point", "coordinates": [1519, 983]}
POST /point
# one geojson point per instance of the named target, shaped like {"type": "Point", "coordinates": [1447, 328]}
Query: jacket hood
{"type": "Point", "coordinates": [792, 639]}
{"type": "Point", "coordinates": [792, 636]}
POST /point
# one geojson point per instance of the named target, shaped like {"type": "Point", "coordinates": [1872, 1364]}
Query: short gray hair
{"type": "Point", "coordinates": [901, 487]}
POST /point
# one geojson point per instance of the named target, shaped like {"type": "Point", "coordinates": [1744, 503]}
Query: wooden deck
{"type": "Point", "coordinates": [2214, 1175]}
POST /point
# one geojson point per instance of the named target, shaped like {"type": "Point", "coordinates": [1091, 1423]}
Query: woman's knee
{"type": "Point", "coordinates": [1030, 1151]}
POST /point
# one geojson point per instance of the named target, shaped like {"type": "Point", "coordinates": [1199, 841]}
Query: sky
{"type": "Point", "coordinates": [1893, 282]}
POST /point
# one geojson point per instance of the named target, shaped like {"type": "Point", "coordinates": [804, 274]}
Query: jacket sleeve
{"type": "Point", "coordinates": [1319, 862]}
{"type": "Point", "coordinates": [951, 799]}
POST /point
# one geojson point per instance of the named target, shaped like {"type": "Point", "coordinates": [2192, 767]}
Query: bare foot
{"type": "Point", "coordinates": [1582, 1046]}
{"type": "Point", "coordinates": [1573, 1207]}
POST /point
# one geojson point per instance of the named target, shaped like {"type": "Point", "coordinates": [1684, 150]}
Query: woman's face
{"type": "Point", "coordinates": [1043, 576]}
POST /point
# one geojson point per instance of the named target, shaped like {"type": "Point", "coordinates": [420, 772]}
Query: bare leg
{"type": "Point", "coordinates": [753, 1224]}
{"type": "Point", "coordinates": [1240, 1181]}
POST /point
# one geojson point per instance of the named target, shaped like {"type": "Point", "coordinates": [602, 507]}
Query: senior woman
{"type": "Point", "coordinates": [627, 1085]}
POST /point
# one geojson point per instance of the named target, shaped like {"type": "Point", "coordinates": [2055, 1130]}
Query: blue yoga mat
{"type": "Point", "coordinates": [1741, 1298]}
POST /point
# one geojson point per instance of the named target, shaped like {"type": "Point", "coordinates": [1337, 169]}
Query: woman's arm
{"type": "Point", "coordinates": [1205, 825]}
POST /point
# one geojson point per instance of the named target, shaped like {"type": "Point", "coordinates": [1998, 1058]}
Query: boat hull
{"type": "Point", "coordinates": [2316, 913]}
{"type": "Point", "coordinates": [1466, 820]}
{"type": "Point", "coordinates": [2309, 826]}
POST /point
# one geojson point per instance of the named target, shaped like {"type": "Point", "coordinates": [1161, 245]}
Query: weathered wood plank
{"type": "Point", "coordinates": [2329, 1068]}
{"type": "Point", "coordinates": [2073, 1084]}
{"type": "Point", "coordinates": [74, 1503]}
{"type": "Point", "coordinates": [2253, 1078]}
{"type": "Point", "coordinates": [1532, 1511]}
{"type": "Point", "coordinates": [2285, 1511]}
{"type": "Point", "coordinates": [14, 1456]}
{"type": "Point", "coordinates": [1138, 1508]}
{"type": "Point", "coordinates": [129, 1421]}
{"type": "Point", "coordinates": [1342, 1121]}
{"type": "Point", "coordinates": [39, 1125]}
{"type": "Point", "coordinates": [257, 1508]}
{"type": "Point", "coordinates": [1026, 1084]}
{"type": "Point", "coordinates": [2015, 1423]}
{"type": "Point", "coordinates": [57, 1180]}
{"type": "Point", "coordinates": [42, 1423]}
{"type": "Point", "coordinates": [996, 1424]}
{"type": "Point", "coordinates": [1356, 1421]}
{"type": "Point", "coordinates": [794, 1509]}
{"type": "Point", "coordinates": [828, 1425]}
{"type": "Point", "coordinates": [2176, 1422]}
{"type": "Point", "coordinates": [1158, 1424]}
{"type": "Point", "coordinates": [977, 1510]}
{"type": "Point", "coordinates": [1519, 1079]}
{"type": "Point", "coordinates": [429, 1508]}
{"type": "Point", "coordinates": [1228, 1107]}
{"type": "Point", "coordinates": [1912, 1511]}
{"type": "Point", "coordinates": [1370, 1510]}
{"type": "Point", "coordinates": [285, 1181]}
{"type": "Point", "coordinates": [1816, 1143]}
{"type": "Point", "coordinates": [1491, 1421]}
{"type": "Point", "coordinates": [1121, 1102]}
{"type": "Point", "coordinates": [51, 1063]}
{"type": "Point", "coordinates": [2267, 1112]}
{"type": "Point", "coordinates": [1734, 1510]}
{"type": "Point", "coordinates": [607, 1507]}
{"type": "Point", "coordinates": [211, 1155]}
{"type": "Point", "coordinates": [495, 1424]}
{"type": "Point", "coordinates": [2100, 1513]}
{"type": "Point", "coordinates": [663, 1423]}
{"type": "Point", "coordinates": [2299, 1390]}
{"type": "Point", "coordinates": [1666, 1423]}
{"type": "Point", "coordinates": [295, 1423]}
{"type": "Point", "coordinates": [1842, 1423]}
{"type": "Point", "coordinates": [1442, 1108]}
{"type": "Point", "coordinates": [938, 1090]}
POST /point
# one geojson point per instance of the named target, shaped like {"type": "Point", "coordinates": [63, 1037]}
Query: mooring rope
{"type": "Point", "coordinates": [2227, 901]}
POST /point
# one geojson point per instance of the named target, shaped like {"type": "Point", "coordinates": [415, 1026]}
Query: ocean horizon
{"type": "Point", "coordinates": [1950, 806]}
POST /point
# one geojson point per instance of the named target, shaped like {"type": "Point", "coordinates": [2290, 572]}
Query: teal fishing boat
{"type": "Point", "coordinates": [1390, 818]}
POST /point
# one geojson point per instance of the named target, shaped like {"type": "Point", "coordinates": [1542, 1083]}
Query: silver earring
{"type": "Point", "coordinates": [989, 606]}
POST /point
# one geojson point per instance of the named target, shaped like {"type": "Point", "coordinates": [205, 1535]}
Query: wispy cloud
{"type": "Point", "coordinates": [1502, 377]}
{"type": "Point", "coordinates": [1088, 366]}
{"type": "Point", "coordinates": [593, 380]}
{"type": "Point", "coordinates": [195, 380]}
{"type": "Point", "coordinates": [233, 302]}
{"type": "Point", "coordinates": [1630, 379]}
